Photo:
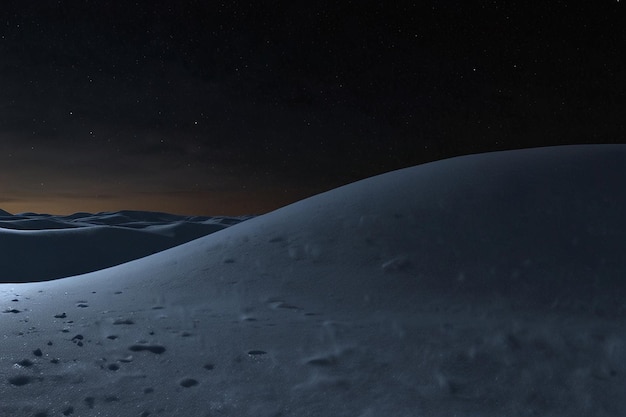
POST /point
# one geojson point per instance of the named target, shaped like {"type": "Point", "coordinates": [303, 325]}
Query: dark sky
{"type": "Point", "coordinates": [228, 107]}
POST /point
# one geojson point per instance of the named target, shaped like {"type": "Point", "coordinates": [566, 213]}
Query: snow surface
{"type": "Point", "coordinates": [485, 285]}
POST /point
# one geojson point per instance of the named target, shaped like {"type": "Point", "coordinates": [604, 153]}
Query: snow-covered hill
{"type": "Point", "coordinates": [485, 285]}
{"type": "Point", "coordinates": [40, 247]}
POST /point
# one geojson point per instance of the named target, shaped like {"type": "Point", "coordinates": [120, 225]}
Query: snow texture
{"type": "Point", "coordinates": [485, 285]}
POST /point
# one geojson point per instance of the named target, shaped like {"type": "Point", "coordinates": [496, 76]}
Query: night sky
{"type": "Point", "coordinates": [209, 107]}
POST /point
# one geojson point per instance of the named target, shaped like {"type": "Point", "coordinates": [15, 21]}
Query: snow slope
{"type": "Point", "coordinates": [40, 247]}
{"type": "Point", "coordinates": [485, 285]}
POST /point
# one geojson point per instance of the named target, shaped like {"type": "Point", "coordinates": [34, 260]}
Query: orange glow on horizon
{"type": "Point", "coordinates": [232, 203]}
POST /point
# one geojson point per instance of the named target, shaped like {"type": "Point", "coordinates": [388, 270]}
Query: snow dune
{"type": "Point", "coordinates": [485, 285]}
{"type": "Point", "coordinates": [41, 247]}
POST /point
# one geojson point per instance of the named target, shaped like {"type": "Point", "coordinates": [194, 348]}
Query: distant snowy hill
{"type": "Point", "coordinates": [39, 247]}
{"type": "Point", "coordinates": [487, 285]}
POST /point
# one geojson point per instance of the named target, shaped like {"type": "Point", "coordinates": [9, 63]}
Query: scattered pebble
{"type": "Point", "coordinates": [157, 349]}
{"type": "Point", "coordinates": [25, 363]}
{"type": "Point", "coordinates": [323, 361]}
{"type": "Point", "coordinates": [188, 382]}
{"type": "Point", "coordinates": [78, 339]}
{"type": "Point", "coordinates": [20, 380]}
{"type": "Point", "coordinates": [287, 306]}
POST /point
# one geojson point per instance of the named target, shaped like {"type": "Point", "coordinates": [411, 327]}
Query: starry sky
{"type": "Point", "coordinates": [229, 107]}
